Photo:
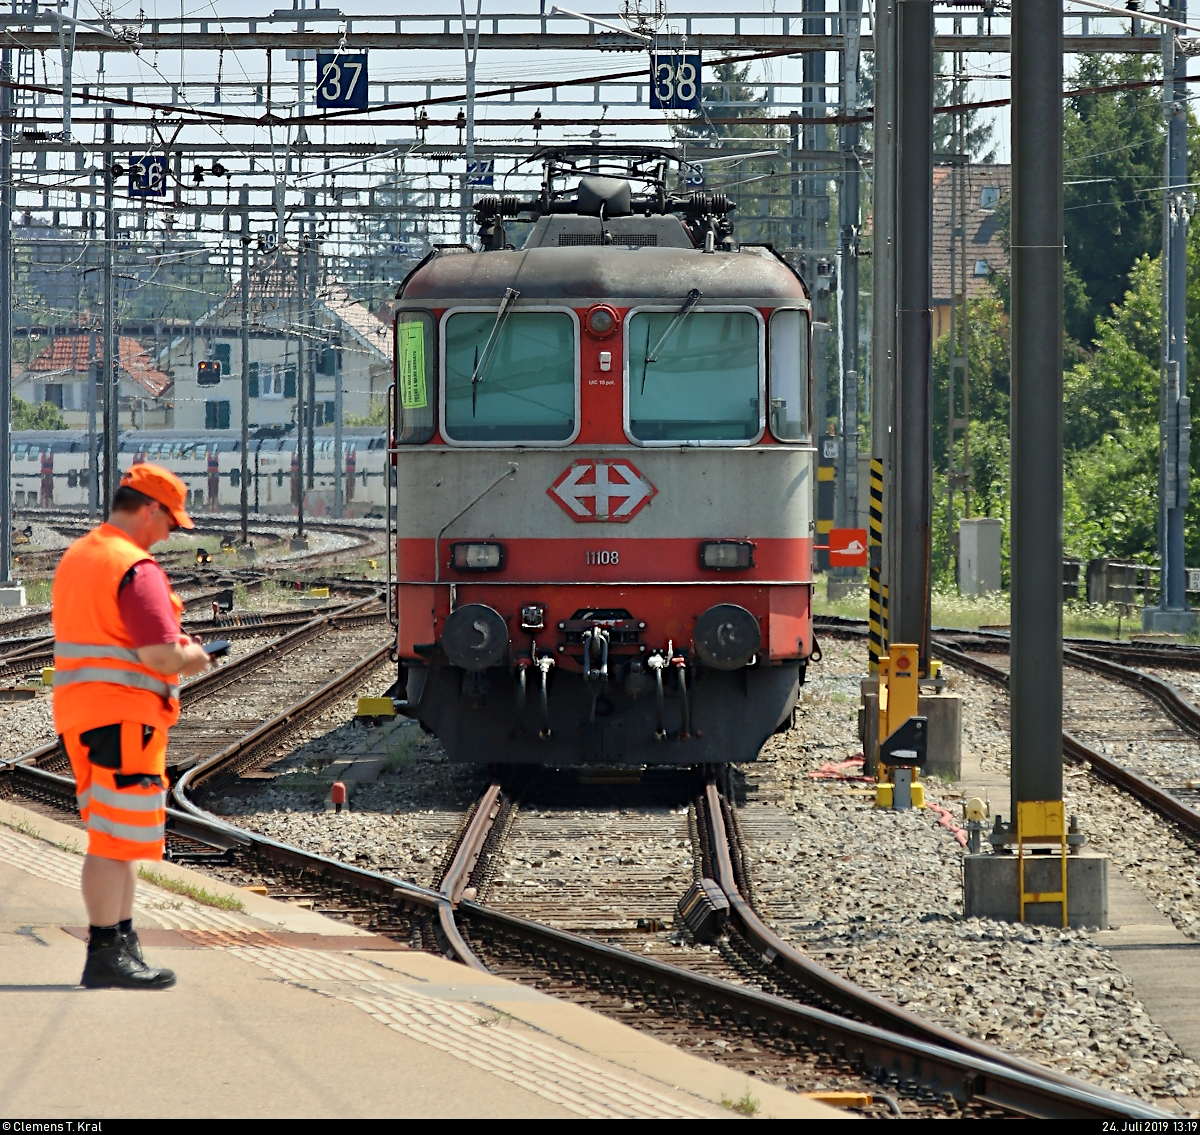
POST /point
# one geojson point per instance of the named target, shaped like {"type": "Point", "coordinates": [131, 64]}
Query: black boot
{"type": "Point", "coordinates": [110, 965]}
{"type": "Point", "coordinates": [132, 945]}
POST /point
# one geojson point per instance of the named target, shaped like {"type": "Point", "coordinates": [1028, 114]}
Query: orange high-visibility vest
{"type": "Point", "coordinates": [98, 679]}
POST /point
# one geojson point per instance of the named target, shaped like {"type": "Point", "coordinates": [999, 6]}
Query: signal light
{"type": "Point", "coordinates": [727, 555]}
{"type": "Point", "coordinates": [477, 557]}
{"type": "Point", "coordinates": [208, 372]}
{"type": "Point", "coordinates": [601, 320]}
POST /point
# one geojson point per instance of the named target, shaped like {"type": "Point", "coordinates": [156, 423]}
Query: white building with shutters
{"type": "Point", "coordinates": [340, 337]}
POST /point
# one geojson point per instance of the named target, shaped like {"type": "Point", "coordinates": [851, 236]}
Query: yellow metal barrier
{"type": "Point", "coordinates": [1041, 822]}
{"type": "Point", "coordinates": [899, 699]}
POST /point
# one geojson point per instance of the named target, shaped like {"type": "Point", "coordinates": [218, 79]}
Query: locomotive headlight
{"type": "Point", "coordinates": [601, 320]}
{"type": "Point", "coordinates": [477, 557]}
{"type": "Point", "coordinates": [724, 555]}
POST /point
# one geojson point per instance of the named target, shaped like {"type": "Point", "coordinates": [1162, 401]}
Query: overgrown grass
{"type": "Point", "coordinates": [747, 1105]}
{"type": "Point", "coordinates": [190, 890]}
{"type": "Point", "coordinates": [37, 591]}
{"type": "Point", "coordinates": [949, 609]}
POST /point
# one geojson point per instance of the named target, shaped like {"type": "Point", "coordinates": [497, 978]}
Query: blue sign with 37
{"type": "Point", "coordinates": [341, 81]}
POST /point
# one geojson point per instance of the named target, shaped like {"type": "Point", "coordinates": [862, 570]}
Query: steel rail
{"type": "Point", "coordinates": [215, 680]}
{"type": "Point", "coordinates": [864, 1047]}
{"type": "Point", "coordinates": [470, 844]}
{"type": "Point", "coordinates": [1176, 705]}
{"type": "Point", "coordinates": [1150, 794]}
{"type": "Point", "coordinates": [861, 1047]}
{"type": "Point", "coordinates": [834, 989]}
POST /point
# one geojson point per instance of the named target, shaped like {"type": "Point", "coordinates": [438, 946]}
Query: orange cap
{"type": "Point", "coordinates": [163, 486]}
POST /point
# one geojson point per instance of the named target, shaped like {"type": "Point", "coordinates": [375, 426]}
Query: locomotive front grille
{"type": "Point", "coordinates": [627, 240]}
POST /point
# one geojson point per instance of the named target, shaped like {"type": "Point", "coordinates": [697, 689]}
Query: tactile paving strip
{"type": "Point", "coordinates": [477, 1035]}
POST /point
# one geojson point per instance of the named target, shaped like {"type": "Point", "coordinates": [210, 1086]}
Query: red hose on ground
{"type": "Point", "coordinates": [947, 821]}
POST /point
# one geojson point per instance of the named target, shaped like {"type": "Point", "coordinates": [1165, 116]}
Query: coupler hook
{"type": "Point", "coordinates": [545, 664]}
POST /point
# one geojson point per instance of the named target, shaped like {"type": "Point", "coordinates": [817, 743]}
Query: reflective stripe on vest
{"type": "Point", "coordinates": [152, 833]}
{"type": "Point", "coordinates": [132, 678]}
{"type": "Point", "coordinates": [128, 801]}
{"type": "Point", "coordinates": [83, 799]}
{"type": "Point", "coordinates": [94, 650]}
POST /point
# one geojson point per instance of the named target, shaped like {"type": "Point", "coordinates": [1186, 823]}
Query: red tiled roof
{"type": "Point", "coordinates": [982, 228]}
{"type": "Point", "coordinates": [73, 353]}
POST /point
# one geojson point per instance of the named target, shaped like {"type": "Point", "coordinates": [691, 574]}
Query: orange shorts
{"type": "Point", "coordinates": [120, 784]}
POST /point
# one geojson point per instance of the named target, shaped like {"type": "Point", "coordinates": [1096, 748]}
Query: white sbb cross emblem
{"type": "Point", "coordinates": [602, 490]}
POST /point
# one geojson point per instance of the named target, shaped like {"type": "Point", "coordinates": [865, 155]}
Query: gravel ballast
{"type": "Point", "coordinates": [877, 897]}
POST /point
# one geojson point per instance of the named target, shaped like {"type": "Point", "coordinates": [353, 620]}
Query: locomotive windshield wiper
{"type": "Point", "coordinates": [479, 369]}
{"type": "Point", "coordinates": [693, 298]}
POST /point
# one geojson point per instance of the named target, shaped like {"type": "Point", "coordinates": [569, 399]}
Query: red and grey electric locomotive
{"type": "Point", "coordinates": [604, 483]}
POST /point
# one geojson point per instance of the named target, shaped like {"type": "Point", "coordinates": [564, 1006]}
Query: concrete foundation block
{"type": "Point", "coordinates": [990, 889]}
{"type": "Point", "coordinates": [1168, 622]}
{"type": "Point", "coordinates": [944, 739]}
{"type": "Point", "coordinates": [12, 596]}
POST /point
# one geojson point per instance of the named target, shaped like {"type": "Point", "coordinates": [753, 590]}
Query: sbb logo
{"type": "Point", "coordinates": [613, 491]}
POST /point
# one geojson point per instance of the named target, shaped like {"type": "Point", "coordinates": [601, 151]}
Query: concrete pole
{"type": "Point", "coordinates": [912, 416]}
{"type": "Point", "coordinates": [1037, 413]}
{"type": "Point", "coordinates": [1174, 404]}
{"type": "Point", "coordinates": [109, 353]}
{"type": "Point", "coordinates": [6, 201]}
{"type": "Point", "coordinates": [883, 311]}
{"type": "Point", "coordinates": [339, 459]}
{"type": "Point", "coordinates": [309, 318]}
{"type": "Point", "coordinates": [245, 499]}
{"type": "Point", "coordinates": [301, 355]}
{"type": "Point", "coordinates": [848, 207]}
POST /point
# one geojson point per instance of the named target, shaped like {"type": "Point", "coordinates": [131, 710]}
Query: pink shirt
{"type": "Point", "coordinates": [144, 600]}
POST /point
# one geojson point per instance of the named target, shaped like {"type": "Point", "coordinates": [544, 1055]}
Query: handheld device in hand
{"type": "Point", "coordinates": [217, 649]}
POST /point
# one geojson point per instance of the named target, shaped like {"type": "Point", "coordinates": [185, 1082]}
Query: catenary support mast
{"type": "Point", "coordinates": [1037, 414]}
{"type": "Point", "coordinates": [912, 417]}
{"type": "Point", "coordinates": [1172, 612]}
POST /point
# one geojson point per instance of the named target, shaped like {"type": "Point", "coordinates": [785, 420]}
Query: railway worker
{"type": "Point", "coordinates": [118, 656]}
{"type": "Point", "coordinates": [214, 481]}
{"type": "Point", "coordinates": [47, 487]}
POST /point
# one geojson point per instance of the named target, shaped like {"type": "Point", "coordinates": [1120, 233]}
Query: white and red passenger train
{"type": "Point", "coordinates": [604, 484]}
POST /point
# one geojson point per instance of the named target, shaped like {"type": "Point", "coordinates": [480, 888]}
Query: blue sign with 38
{"type": "Point", "coordinates": [675, 82]}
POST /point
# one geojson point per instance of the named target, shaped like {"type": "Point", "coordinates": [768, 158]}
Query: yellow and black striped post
{"type": "Point", "coordinates": [826, 496]}
{"type": "Point", "coordinates": [877, 616]}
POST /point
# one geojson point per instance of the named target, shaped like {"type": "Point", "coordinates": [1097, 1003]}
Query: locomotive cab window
{"type": "Point", "coordinates": [415, 377]}
{"type": "Point", "coordinates": [694, 376]}
{"type": "Point", "coordinates": [789, 376]}
{"type": "Point", "coordinates": [510, 377]}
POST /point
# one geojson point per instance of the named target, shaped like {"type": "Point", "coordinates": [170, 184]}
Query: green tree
{"type": "Point", "coordinates": [36, 415]}
{"type": "Point", "coordinates": [1112, 154]}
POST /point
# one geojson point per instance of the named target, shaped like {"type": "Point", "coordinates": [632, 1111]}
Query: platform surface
{"type": "Point", "coordinates": [278, 1012]}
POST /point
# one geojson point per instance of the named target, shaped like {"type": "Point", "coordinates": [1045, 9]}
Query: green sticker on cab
{"type": "Point", "coordinates": [413, 393]}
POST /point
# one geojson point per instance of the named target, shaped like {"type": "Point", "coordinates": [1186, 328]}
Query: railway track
{"type": "Point", "coordinates": [862, 1040]}
{"type": "Point", "coordinates": [366, 541]}
{"type": "Point", "coordinates": [1178, 718]}
{"type": "Point", "coordinates": [226, 699]}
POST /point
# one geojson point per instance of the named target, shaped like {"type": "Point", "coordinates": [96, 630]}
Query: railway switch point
{"type": "Point", "coordinates": [266, 992]}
